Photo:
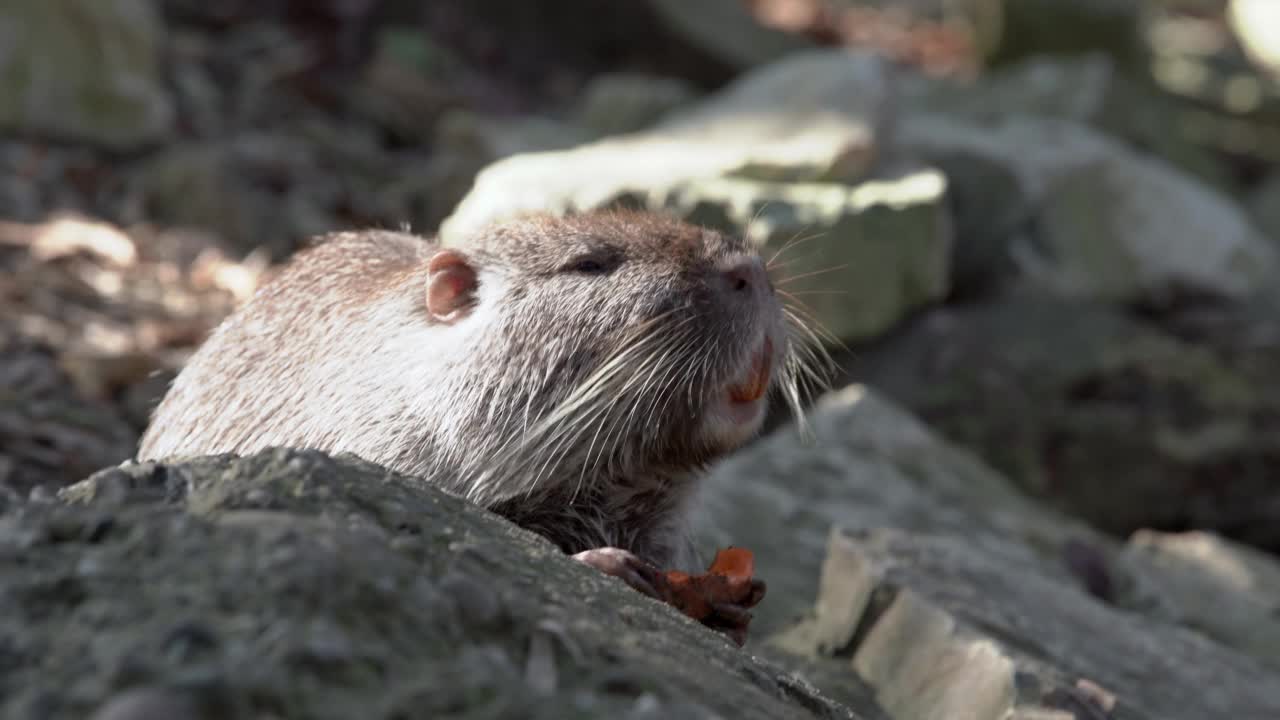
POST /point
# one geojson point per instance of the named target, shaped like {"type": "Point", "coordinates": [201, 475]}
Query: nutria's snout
{"type": "Point", "coordinates": [743, 274]}
{"type": "Point", "coordinates": [755, 347]}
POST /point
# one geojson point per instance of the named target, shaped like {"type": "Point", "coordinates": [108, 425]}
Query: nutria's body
{"type": "Point", "coordinates": [572, 374]}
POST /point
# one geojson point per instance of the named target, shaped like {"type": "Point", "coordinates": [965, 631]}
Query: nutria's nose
{"type": "Point", "coordinates": [743, 273]}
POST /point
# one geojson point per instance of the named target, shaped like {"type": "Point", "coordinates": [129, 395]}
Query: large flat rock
{"type": "Point", "coordinates": [811, 117]}
{"type": "Point", "coordinates": [1225, 590]}
{"type": "Point", "coordinates": [865, 463]}
{"type": "Point", "coordinates": [297, 585]}
{"type": "Point", "coordinates": [1113, 419]}
{"type": "Point", "coordinates": [1107, 222]}
{"type": "Point", "coordinates": [84, 70]}
{"type": "Point", "coordinates": [942, 629]}
{"type": "Point", "coordinates": [902, 567]}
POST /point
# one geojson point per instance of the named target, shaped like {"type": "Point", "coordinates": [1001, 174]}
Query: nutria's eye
{"type": "Point", "coordinates": [592, 264]}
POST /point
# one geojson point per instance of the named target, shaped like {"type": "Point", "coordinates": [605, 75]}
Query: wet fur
{"type": "Point", "coordinates": [569, 403]}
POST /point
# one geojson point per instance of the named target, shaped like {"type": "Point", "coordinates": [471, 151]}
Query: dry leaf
{"type": "Point", "coordinates": [727, 581]}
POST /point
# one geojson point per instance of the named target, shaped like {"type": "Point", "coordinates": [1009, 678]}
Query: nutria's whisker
{"type": "Point", "coordinates": [795, 241]}
{"type": "Point", "coordinates": [801, 313]}
{"type": "Point", "coordinates": [792, 278]}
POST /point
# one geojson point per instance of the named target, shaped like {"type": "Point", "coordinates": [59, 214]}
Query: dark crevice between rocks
{"type": "Point", "coordinates": [882, 598]}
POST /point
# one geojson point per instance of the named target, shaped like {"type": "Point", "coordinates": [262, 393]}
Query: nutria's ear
{"type": "Point", "coordinates": [451, 286]}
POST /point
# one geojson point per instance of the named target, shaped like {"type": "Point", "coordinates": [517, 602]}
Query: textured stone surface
{"type": "Point", "coordinates": [50, 434]}
{"type": "Point", "coordinates": [616, 103]}
{"type": "Point", "coordinates": [1092, 89]}
{"type": "Point", "coordinates": [1229, 592]}
{"type": "Point", "coordinates": [907, 566]}
{"type": "Point", "coordinates": [1264, 207]}
{"type": "Point", "coordinates": [867, 464]}
{"type": "Point", "coordinates": [1110, 223]}
{"type": "Point", "coordinates": [946, 629]}
{"type": "Point", "coordinates": [812, 117]}
{"type": "Point", "coordinates": [726, 30]}
{"type": "Point", "coordinates": [1119, 422]}
{"type": "Point", "coordinates": [296, 585]}
{"type": "Point", "coordinates": [1219, 59]}
{"type": "Point", "coordinates": [1067, 27]}
{"type": "Point", "coordinates": [85, 70]}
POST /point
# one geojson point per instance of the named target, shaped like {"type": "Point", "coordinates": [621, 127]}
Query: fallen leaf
{"type": "Point", "coordinates": [727, 581]}
{"type": "Point", "coordinates": [734, 562]}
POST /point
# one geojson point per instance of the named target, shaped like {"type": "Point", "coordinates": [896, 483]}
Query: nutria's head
{"type": "Point", "coordinates": [607, 345]}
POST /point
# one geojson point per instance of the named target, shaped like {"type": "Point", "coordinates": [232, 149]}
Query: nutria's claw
{"type": "Point", "coordinates": [758, 589]}
{"type": "Point", "coordinates": [732, 619]}
{"type": "Point", "coordinates": [641, 575]}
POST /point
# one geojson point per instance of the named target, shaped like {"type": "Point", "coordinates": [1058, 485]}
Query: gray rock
{"type": "Point", "coordinates": [1219, 60]}
{"type": "Point", "coordinates": [1116, 421]}
{"type": "Point", "coordinates": [1067, 27]}
{"type": "Point", "coordinates": [1264, 207]}
{"type": "Point", "coordinates": [948, 629]}
{"type": "Point", "coordinates": [868, 464]}
{"type": "Point", "coordinates": [51, 434]}
{"type": "Point", "coordinates": [726, 30]}
{"type": "Point", "coordinates": [275, 189]}
{"type": "Point", "coordinates": [84, 70]}
{"type": "Point", "coordinates": [812, 117]}
{"type": "Point", "coordinates": [1229, 592]}
{"type": "Point", "coordinates": [487, 139]}
{"type": "Point", "coordinates": [1090, 89]}
{"type": "Point", "coordinates": [402, 87]}
{"type": "Point", "coordinates": [1074, 88]}
{"type": "Point", "coordinates": [306, 586]}
{"type": "Point", "coordinates": [1111, 223]}
{"type": "Point", "coordinates": [616, 103]}
{"type": "Point", "coordinates": [950, 594]}
{"type": "Point", "coordinates": [198, 185]}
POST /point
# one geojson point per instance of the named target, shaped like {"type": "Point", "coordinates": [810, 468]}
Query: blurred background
{"type": "Point", "coordinates": [1047, 227]}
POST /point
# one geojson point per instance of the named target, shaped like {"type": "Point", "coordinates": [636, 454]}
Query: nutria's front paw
{"type": "Point", "coordinates": [625, 565]}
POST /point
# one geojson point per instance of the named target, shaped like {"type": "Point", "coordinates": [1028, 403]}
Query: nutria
{"type": "Point", "coordinates": [573, 374]}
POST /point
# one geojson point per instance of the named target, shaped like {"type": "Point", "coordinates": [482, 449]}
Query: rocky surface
{"type": "Point", "coordinates": [810, 117]}
{"type": "Point", "coordinates": [942, 629]}
{"type": "Point", "coordinates": [1095, 89]}
{"type": "Point", "coordinates": [84, 70]}
{"type": "Point", "coordinates": [1224, 590]}
{"type": "Point", "coordinates": [726, 29]}
{"type": "Point", "coordinates": [1067, 27]}
{"type": "Point", "coordinates": [1222, 62]}
{"type": "Point", "coordinates": [296, 585]}
{"type": "Point", "coordinates": [1107, 222]}
{"type": "Point", "coordinates": [865, 463]}
{"type": "Point", "coordinates": [1116, 421]}
{"type": "Point", "coordinates": [950, 595]}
